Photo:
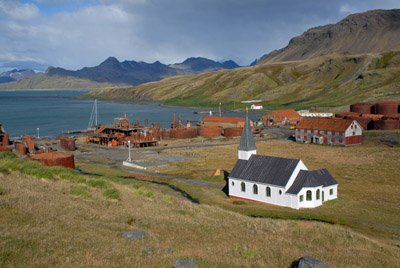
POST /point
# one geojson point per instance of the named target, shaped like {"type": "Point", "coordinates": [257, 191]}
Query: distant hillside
{"type": "Point", "coordinates": [15, 75]}
{"type": "Point", "coordinates": [369, 32]}
{"type": "Point", "coordinates": [112, 72]}
{"type": "Point", "coordinates": [328, 81]}
{"type": "Point", "coordinates": [44, 81]}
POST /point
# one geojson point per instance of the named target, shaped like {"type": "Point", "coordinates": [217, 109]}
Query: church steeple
{"type": "Point", "coordinates": [247, 145]}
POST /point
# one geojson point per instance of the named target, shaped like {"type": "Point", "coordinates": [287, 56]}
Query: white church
{"type": "Point", "coordinates": [279, 181]}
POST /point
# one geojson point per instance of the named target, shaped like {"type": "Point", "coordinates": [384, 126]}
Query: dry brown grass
{"type": "Point", "coordinates": [42, 225]}
{"type": "Point", "coordinates": [368, 176]}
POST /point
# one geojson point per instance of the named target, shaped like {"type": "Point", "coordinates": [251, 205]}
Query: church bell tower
{"type": "Point", "coordinates": [247, 145]}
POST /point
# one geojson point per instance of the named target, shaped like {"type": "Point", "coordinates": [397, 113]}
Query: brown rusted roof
{"type": "Point", "coordinates": [99, 130]}
{"type": "Point", "coordinates": [218, 119]}
{"type": "Point", "coordinates": [289, 113]}
{"type": "Point", "coordinates": [332, 124]}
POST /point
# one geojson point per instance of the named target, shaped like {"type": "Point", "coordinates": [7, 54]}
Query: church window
{"type": "Point", "coordinates": [280, 192]}
{"type": "Point", "coordinates": [255, 189]}
{"type": "Point", "coordinates": [233, 183]}
{"type": "Point", "coordinates": [331, 191]}
{"type": "Point", "coordinates": [309, 195]}
{"type": "Point", "coordinates": [243, 187]}
{"type": "Point", "coordinates": [301, 198]}
{"type": "Point", "coordinates": [268, 191]}
{"type": "Point", "coordinates": [318, 194]}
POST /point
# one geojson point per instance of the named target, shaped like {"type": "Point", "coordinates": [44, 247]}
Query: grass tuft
{"type": "Point", "coordinates": [97, 184]}
{"type": "Point", "coordinates": [248, 253]}
{"type": "Point", "coordinates": [111, 194]}
{"type": "Point", "coordinates": [79, 190]}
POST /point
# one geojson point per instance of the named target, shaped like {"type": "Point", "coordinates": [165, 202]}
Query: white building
{"type": "Point", "coordinates": [278, 181]}
{"type": "Point", "coordinates": [256, 107]}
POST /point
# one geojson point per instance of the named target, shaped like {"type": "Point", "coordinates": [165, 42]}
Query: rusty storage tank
{"type": "Point", "coordinates": [184, 133]}
{"type": "Point", "coordinates": [4, 149]}
{"type": "Point", "coordinates": [386, 124]}
{"type": "Point", "coordinates": [387, 107]}
{"type": "Point", "coordinates": [362, 108]}
{"type": "Point", "coordinates": [343, 115]}
{"type": "Point", "coordinates": [21, 148]}
{"type": "Point", "coordinates": [55, 159]}
{"type": "Point", "coordinates": [209, 131]}
{"type": "Point", "coordinates": [232, 132]}
{"type": "Point", "coordinates": [392, 116]}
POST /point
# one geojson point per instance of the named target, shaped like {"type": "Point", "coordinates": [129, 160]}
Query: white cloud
{"type": "Point", "coordinates": [77, 33]}
{"type": "Point", "coordinates": [18, 11]}
{"type": "Point", "coordinates": [346, 9]}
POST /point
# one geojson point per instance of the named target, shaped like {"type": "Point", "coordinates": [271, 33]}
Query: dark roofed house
{"type": "Point", "coordinates": [275, 180]}
{"type": "Point", "coordinates": [334, 131]}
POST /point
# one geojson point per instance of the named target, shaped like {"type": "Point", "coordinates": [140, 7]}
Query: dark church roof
{"type": "Point", "coordinates": [315, 178]}
{"type": "Point", "coordinates": [265, 169]}
{"type": "Point", "coordinates": [247, 140]}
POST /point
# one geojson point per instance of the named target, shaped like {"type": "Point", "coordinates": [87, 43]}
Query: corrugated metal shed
{"type": "Point", "coordinates": [289, 113]}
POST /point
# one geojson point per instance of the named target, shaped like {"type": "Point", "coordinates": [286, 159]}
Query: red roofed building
{"type": "Point", "coordinates": [333, 131]}
{"type": "Point", "coordinates": [289, 116]}
{"type": "Point", "coordinates": [225, 122]}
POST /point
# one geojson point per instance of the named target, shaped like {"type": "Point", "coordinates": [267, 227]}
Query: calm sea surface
{"type": "Point", "coordinates": [53, 112]}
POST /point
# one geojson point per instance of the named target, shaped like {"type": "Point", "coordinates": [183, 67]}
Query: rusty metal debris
{"type": "Point", "coordinates": [123, 131]}
{"type": "Point", "coordinates": [68, 144]}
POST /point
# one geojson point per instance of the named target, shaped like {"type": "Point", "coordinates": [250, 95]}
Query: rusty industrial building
{"type": "Point", "coordinates": [4, 141]}
{"type": "Point", "coordinates": [123, 131]}
{"type": "Point", "coordinates": [224, 122]}
{"type": "Point", "coordinates": [281, 117]}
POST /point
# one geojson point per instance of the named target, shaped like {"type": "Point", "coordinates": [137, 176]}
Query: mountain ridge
{"type": "Point", "coordinates": [134, 73]}
{"type": "Point", "coordinates": [373, 31]}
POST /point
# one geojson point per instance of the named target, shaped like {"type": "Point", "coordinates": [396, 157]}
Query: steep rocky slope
{"type": "Point", "coordinates": [369, 32]}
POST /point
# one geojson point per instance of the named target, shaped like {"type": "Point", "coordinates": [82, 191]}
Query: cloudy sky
{"type": "Point", "coordinates": [77, 33]}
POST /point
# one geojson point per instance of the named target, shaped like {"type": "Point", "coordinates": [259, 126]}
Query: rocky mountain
{"type": "Point", "coordinates": [369, 32]}
{"type": "Point", "coordinates": [134, 73]}
{"type": "Point", "coordinates": [201, 65]}
{"type": "Point", "coordinates": [15, 75]}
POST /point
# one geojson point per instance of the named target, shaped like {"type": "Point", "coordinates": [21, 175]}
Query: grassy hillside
{"type": "Point", "coordinates": [327, 81]}
{"type": "Point", "coordinates": [44, 81]}
{"type": "Point", "coordinates": [51, 220]}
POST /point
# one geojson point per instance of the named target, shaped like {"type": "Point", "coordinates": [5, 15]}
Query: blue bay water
{"type": "Point", "coordinates": [22, 112]}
